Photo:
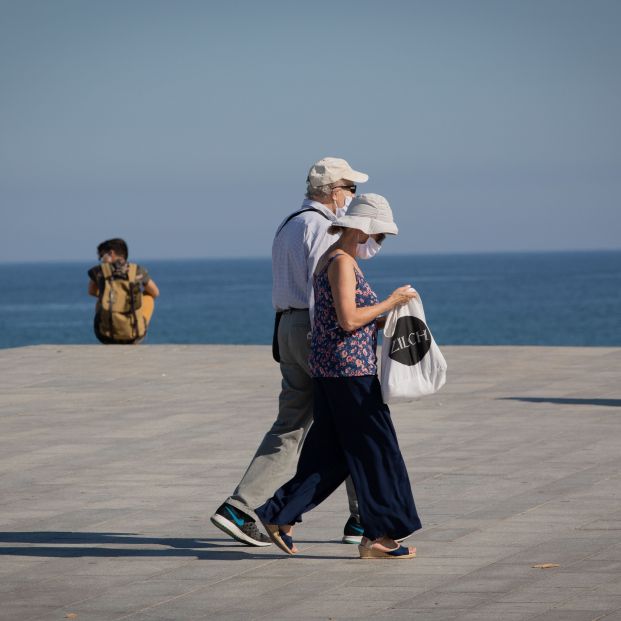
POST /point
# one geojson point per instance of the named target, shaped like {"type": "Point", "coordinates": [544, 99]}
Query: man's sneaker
{"type": "Point", "coordinates": [353, 531]}
{"type": "Point", "coordinates": [239, 526]}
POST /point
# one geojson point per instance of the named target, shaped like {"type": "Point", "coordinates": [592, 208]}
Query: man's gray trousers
{"type": "Point", "coordinates": [274, 461]}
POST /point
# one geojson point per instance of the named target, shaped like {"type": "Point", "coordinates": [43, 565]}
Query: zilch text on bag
{"type": "Point", "coordinates": [411, 340]}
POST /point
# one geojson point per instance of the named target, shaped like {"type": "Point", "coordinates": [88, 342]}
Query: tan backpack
{"type": "Point", "coordinates": [118, 318]}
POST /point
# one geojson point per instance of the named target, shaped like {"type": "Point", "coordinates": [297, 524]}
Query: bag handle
{"type": "Point", "coordinates": [297, 213]}
{"type": "Point", "coordinates": [391, 322]}
{"type": "Point", "coordinates": [413, 307]}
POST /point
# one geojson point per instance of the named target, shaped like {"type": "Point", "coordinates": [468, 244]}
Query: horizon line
{"type": "Point", "coordinates": [267, 257]}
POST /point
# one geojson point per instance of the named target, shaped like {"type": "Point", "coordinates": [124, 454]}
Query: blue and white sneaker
{"type": "Point", "coordinates": [238, 525]}
{"type": "Point", "coordinates": [353, 531]}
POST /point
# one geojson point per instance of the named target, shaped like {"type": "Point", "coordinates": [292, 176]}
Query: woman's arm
{"type": "Point", "coordinates": [92, 289]}
{"type": "Point", "coordinates": [343, 284]}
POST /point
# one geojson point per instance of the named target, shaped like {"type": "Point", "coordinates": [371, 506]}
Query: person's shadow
{"type": "Point", "coordinates": [66, 544]}
{"type": "Point", "coordinates": [615, 403]}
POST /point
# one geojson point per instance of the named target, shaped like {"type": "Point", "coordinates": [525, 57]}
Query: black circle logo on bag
{"type": "Point", "coordinates": [411, 341]}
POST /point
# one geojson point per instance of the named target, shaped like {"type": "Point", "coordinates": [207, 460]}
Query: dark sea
{"type": "Point", "coordinates": [560, 298]}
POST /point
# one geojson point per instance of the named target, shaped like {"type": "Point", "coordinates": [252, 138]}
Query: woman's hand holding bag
{"type": "Point", "coordinates": [412, 363]}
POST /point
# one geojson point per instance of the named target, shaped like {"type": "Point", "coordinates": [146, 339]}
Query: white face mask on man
{"type": "Point", "coordinates": [340, 211]}
{"type": "Point", "coordinates": [369, 249]}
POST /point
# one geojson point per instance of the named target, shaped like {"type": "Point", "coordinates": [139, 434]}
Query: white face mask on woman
{"type": "Point", "coordinates": [368, 250]}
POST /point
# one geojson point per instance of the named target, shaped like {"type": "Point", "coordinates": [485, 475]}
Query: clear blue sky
{"type": "Point", "coordinates": [188, 127]}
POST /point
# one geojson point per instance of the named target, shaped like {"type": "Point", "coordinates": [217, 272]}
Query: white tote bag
{"type": "Point", "coordinates": [412, 363]}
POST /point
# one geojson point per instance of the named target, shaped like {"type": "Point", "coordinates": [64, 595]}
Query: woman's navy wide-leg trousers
{"type": "Point", "coordinates": [352, 433]}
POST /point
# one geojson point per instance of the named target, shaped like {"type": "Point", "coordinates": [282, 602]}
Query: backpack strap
{"type": "Point", "coordinates": [131, 272]}
{"type": "Point", "coordinates": [106, 272]}
{"type": "Point", "coordinates": [297, 213]}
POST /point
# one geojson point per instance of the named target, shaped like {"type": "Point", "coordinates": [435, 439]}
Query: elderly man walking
{"type": "Point", "coordinates": [300, 241]}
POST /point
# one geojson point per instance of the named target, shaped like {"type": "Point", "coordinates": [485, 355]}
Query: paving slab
{"type": "Point", "coordinates": [112, 459]}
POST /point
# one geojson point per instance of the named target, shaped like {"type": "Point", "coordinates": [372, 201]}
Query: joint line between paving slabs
{"type": "Point", "coordinates": [202, 587]}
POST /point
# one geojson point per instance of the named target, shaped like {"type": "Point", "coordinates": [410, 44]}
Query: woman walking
{"type": "Point", "coordinates": [352, 431]}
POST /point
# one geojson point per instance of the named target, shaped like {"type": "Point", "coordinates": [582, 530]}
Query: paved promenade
{"type": "Point", "coordinates": [113, 458]}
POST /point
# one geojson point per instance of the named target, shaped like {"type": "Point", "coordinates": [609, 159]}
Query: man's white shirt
{"type": "Point", "coordinates": [296, 250]}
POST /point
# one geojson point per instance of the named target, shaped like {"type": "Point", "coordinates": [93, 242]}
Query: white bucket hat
{"type": "Point", "coordinates": [331, 169]}
{"type": "Point", "coordinates": [369, 213]}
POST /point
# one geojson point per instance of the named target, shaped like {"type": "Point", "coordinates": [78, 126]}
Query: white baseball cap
{"type": "Point", "coordinates": [331, 169]}
{"type": "Point", "coordinates": [369, 213]}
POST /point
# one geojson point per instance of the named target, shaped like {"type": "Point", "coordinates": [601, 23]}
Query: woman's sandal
{"type": "Point", "coordinates": [280, 538]}
{"type": "Point", "coordinates": [368, 551]}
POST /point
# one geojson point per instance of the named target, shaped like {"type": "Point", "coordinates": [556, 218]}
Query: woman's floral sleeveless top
{"type": "Point", "coordinates": [335, 352]}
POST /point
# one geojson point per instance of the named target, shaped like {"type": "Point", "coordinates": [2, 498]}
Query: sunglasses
{"type": "Point", "coordinates": [351, 188]}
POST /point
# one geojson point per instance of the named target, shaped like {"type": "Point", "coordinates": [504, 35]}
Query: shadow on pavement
{"type": "Point", "coordinates": [56, 544]}
{"type": "Point", "coordinates": [50, 545]}
{"type": "Point", "coordinates": [615, 403]}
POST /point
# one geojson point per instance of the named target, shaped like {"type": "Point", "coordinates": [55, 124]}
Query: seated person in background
{"type": "Point", "coordinates": [125, 295]}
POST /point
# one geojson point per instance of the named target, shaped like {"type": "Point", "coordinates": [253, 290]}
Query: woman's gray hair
{"type": "Point", "coordinates": [321, 193]}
